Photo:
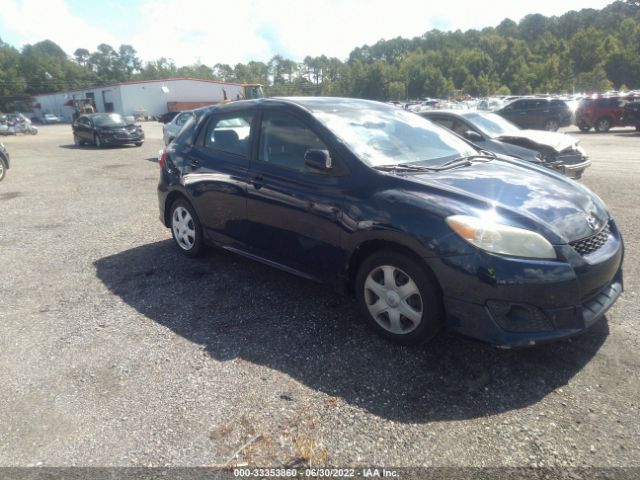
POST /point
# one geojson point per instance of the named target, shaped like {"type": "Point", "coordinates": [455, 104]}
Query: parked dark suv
{"type": "Point", "coordinates": [537, 113]}
{"type": "Point", "coordinates": [602, 112]}
{"type": "Point", "coordinates": [425, 229]}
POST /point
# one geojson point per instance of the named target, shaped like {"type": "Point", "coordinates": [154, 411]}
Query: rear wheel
{"type": "Point", "coordinates": [399, 298]}
{"type": "Point", "coordinates": [97, 140]}
{"type": "Point", "coordinates": [584, 127]}
{"type": "Point", "coordinates": [3, 169]}
{"type": "Point", "coordinates": [138, 144]}
{"type": "Point", "coordinates": [603, 124]}
{"type": "Point", "coordinates": [76, 140]}
{"type": "Point", "coordinates": [186, 229]}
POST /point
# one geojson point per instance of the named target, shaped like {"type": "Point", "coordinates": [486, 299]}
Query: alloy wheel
{"type": "Point", "coordinates": [551, 125]}
{"type": "Point", "coordinates": [604, 124]}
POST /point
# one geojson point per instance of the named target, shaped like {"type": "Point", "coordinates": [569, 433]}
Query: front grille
{"type": "Point", "coordinates": [591, 244]}
{"type": "Point", "coordinates": [571, 158]}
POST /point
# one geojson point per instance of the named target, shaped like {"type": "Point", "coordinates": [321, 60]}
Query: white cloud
{"type": "Point", "coordinates": [243, 30]}
{"type": "Point", "coordinates": [33, 21]}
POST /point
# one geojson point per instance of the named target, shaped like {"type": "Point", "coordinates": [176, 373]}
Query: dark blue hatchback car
{"type": "Point", "coordinates": [427, 231]}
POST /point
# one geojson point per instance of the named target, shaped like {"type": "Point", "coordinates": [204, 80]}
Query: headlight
{"type": "Point", "coordinates": [497, 238]}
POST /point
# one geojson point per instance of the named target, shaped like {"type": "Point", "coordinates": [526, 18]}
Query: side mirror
{"type": "Point", "coordinates": [473, 136]}
{"type": "Point", "coordinates": [318, 159]}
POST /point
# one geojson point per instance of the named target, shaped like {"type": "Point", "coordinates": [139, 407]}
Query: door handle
{"type": "Point", "coordinates": [257, 182]}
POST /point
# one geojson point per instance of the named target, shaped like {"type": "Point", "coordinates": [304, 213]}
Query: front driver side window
{"type": "Point", "coordinates": [285, 139]}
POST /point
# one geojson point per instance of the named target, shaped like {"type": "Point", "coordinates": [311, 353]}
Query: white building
{"type": "Point", "coordinates": [149, 97]}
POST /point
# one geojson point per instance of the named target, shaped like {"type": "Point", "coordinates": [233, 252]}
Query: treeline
{"type": "Point", "coordinates": [582, 51]}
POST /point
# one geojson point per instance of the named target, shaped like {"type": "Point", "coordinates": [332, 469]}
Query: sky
{"type": "Point", "coordinates": [232, 31]}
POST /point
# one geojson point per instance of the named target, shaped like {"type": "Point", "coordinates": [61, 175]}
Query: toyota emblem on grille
{"type": "Point", "coordinates": [592, 221]}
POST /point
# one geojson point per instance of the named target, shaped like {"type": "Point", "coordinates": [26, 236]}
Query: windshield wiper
{"type": "Point", "coordinates": [468, 160]}
{"type": "Point", "coordinates": [404, 167]}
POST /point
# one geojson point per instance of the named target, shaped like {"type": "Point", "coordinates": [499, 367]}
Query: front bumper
{"type": "Point", "coordinates": [121, 140]}
{"type": "Point", "coordinates": [572, 170]}
{"type": "Point", "coordinates": [519, 302]}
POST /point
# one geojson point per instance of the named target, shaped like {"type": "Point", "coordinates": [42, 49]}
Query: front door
{"type": "Point", "coordinates": [293, 210]}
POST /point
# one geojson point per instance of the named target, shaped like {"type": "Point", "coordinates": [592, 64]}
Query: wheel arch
{"type": "Point", "coordinates": [172, 197]}
{"type": "Point", "coordinates": [368, 247]}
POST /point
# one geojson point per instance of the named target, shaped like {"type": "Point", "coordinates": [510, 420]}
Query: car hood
{"type": "Point", "coordinates": [518, 194]}
{"type": "Point", "coordinates": [537, 139]}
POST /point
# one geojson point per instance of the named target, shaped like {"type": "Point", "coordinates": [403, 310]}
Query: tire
{"type": "Point", "coordinates": [551, 125]}
{"type": "Point", "coordinates": [97, 140]}
{"type": "Point", "coordinates": [77, 141]}
{"type": "Point", "coordinates": [138, 144]}
{"type": "Point", "coordinates": [603, 124]}
{"type": "Point", "coordinates": [3, 169]}
{"type": "Point", "coordinates": [408, 316]}
{"type": "Point", "coordinates": [186, 229]}
{"type": "Point", "coordinates": [637, 128]}
{"type": "Point", "coordinates": [584, 127]}
{"type": "Point", "coordinates": [33, 131]}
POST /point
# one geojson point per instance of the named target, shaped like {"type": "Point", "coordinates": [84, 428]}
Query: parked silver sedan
{"type": "Point", "coordinates": [170, 130]}
{"type": "Point", "coordinates": [489, 131]}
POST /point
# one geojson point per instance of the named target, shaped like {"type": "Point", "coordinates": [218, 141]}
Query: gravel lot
{"type": "Point", "coordinates": [116, 350]}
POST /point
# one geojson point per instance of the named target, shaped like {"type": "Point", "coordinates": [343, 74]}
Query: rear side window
{"type": "Point", "coordinates": [229, 133]}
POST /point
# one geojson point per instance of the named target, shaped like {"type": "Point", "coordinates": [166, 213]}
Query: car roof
{"type": "Point", "coordinates": [311, 104]}
{"type": "Point", "coordinates": [454, 113]}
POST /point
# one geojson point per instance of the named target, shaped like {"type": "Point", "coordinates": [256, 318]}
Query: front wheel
{"type": "Point", "coordinates": [97, 140]}
{"type": "Point", "coordinates": [603, 125]}
{"type": "Point", "coordinates": [3, 169]}
{"type": "Point", "coordinates": [186, 229]}
{"type": "Point", "coordinates": [33, 131]}
{"type": "Point", "coordinates": [77, 141]}
{"type": "Point", "coordinates": [138, 144]}
{"type": "Point", "coordinates": [584, 127]}
{"type": "Point", "coordinates": [552, 125]}
{"type": "Point", "coordinates": [400, 298]}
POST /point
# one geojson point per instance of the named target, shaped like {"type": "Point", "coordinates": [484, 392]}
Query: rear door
{"type": "Point", "coordinates": [294, 211]}
{"type": "Point", "coordinates": [216, 175]}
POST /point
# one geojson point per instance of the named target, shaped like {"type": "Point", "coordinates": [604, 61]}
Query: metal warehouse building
{"type": "Point", "coordinates": [148, 97]}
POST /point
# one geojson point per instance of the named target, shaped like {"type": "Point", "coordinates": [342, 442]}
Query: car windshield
{"type": "Point", "coordinates": [493, 125]}
{"type": "Point", "coordinates": [385, 135]}
{"type": "Point", "coordinates": [109, 120]}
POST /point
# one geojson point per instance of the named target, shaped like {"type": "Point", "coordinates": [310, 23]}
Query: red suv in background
{"type": "Point", "coordinates": [602, 112]}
